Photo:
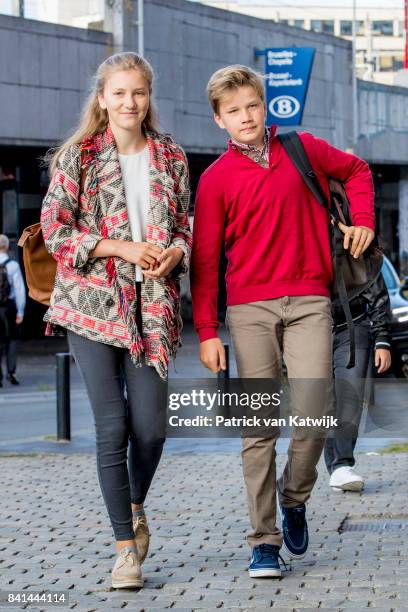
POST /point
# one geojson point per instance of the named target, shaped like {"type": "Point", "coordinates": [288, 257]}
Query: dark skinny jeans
{"type": "Point", "coordinates": [137, 423]}
{"type": "Point", "coordinates": [349, 387]}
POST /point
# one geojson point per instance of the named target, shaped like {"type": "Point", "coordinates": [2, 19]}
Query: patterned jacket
{"type": "Point", "coordinates": [96, 297]}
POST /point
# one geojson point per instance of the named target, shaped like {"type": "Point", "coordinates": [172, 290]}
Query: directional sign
{"type": "Point", "coordinates": [287, 79]}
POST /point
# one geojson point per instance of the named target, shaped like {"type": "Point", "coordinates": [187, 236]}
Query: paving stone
{"type": "Point", "coordinates": [199, 555]}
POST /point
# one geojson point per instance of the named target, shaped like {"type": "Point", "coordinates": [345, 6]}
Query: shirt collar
{"type": "Point", "coordinates": [269, 133]}
{"type": "Point", "coordinates": [3, 257]}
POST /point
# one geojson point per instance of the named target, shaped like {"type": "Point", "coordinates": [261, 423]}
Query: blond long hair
{"type": "Point", "coordinates": [94, 119]}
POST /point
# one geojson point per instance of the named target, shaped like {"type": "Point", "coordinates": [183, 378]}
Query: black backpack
{"type": "Point", "coordinates": [351, 276]}
{"type": "Point", "coordinates": [4, 284]}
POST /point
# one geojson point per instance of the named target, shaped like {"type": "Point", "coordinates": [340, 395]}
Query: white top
{"type": "Point", "coordinates": [135, 174]}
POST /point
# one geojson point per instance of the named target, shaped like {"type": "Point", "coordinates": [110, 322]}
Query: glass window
{"type": "Point", "coordinates": [391, 63]}
{"type": "Point", "coordinates": [398, 62]}
{"type": "Point", "coordinates": [75, 13]}
{"type": "Point", "coordinates": [389, 274]}
{"type": "Point", "coordinates": [299, 23]}
{"type": "Point", "coordinates": [322, 25]}
{"type": "Point", "coordinates": [316, 25]}
{"type": "Point", "coordinates": [9, 7]}
{"type": "Point", "coordinates": [386, 63]}
{"type": "Point", "coordinates": [328, 26]}
{"type": "Point", "coordinates": [384, 28]}
{"type": "Point", "coordinates": [346, 28]}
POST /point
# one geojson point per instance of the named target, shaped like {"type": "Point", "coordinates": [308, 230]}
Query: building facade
{"type": "Point", "coordinates": [380, 40]}
{"type": "Point", "coordinates": [45, 72]}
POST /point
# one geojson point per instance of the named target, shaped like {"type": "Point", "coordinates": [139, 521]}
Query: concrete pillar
{"type": "Point", "coordinates": [403, 223]}
{"type": "Point", "coordinates": [337, 29]}
{"type": "Point", "coordinates": [115, 11]}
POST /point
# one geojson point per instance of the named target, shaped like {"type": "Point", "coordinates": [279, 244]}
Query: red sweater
{"type": "Point", "coordinates": [274, 230]}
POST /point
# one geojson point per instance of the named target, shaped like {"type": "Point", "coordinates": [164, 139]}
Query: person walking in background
{"type": "Point", "coordinates": [116, 220]}
{"type": "Point", "coordinates": [371, 316]}
{"type": "Point", "coordinates": [12, 305]}
{"type": "Point", "coordinates": [253, 199]}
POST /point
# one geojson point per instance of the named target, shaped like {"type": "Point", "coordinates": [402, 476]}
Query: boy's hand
{"type": "Point", "coordinates": [360, 237]}
{"type": "Point", "coordinates": [382, 360]}
{"type": "Point", "coordinates": [212, 354]}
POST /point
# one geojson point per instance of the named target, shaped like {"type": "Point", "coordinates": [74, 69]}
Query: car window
{"type": "Point", "coordinates": [388, 275]}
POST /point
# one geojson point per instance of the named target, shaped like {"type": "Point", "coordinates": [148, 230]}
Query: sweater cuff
{"type": "Point", "coordinates": [382, 343]}
{"type": "Point", "coordinates": [182, 267]}
{"type": "Point", "coordinates": [363, 219]}
{"type": "Point", "coordinates": [206, 333]}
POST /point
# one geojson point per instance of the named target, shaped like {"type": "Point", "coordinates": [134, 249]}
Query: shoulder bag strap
{"type": "Point", "coordinates": [296, 152]}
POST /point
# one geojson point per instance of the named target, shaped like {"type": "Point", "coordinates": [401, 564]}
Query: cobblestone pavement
{"type": "Point", "coordinates": [54, 534]}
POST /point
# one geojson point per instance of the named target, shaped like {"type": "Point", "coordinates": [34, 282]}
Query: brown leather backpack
{"type": "Point", "coordinates": [40, 267]}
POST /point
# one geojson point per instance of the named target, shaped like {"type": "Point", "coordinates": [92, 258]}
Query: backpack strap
{"type": "Point", "coordinates": [341, 287]}
{"type": "Point", "coordinates": [297, 154]}
{"type": "Point", "coordinates": [296, 151]}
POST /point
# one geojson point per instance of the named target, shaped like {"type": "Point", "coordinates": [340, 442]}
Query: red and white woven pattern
{"type": "Point", "coordinates": [96, 297]}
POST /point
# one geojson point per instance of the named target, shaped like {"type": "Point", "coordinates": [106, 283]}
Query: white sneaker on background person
{"type": "Point", "coordinates": [345, 479]}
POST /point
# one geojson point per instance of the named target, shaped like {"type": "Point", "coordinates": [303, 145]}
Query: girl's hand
{"type": "Point", "coordinates": [166, 261]}
{"type": "Point", "coordinates": [382, 360]}
{"type": "Point", "coordinates": [143, 254]}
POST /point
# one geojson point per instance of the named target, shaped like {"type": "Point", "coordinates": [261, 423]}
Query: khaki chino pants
{"type": "Point", "coordinates": [299, 328]}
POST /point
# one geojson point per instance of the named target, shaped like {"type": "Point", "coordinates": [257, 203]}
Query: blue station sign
{"type": "Point", "coordinates": [287, 74]}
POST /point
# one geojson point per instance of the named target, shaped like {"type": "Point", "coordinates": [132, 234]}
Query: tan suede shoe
{"type": "Point", "coordinates": [142, 536]}
{"type": "Point", "coordinates": [126, 573]}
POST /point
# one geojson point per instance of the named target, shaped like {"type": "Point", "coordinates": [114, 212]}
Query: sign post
{"type": "Point", "coordinates": [287, 72]}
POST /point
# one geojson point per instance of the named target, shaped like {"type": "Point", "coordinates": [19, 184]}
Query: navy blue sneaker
{"type": "Point", "coordinates": [265, 562]}
{"type": "Point", "coordinates": [295, 533]}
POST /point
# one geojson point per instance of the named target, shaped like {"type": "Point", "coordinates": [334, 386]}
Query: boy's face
{"type": "Point", "coordinates": [242, 113]}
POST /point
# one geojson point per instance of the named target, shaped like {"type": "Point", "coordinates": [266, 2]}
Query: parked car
{"type": "Point", "coordinates": [398, 292]}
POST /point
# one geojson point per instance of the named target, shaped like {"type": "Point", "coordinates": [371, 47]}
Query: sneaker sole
{"type": "Point", "coordinates": [291, 554]}
{"type": "Point", "coordinates": [142, 557]}
{"type": "Point", "coordinates": [350, 486]}
{"type": "Point", "coordinates": [265, 573]}
{"type": "Point", "coordinates": [135, 584]}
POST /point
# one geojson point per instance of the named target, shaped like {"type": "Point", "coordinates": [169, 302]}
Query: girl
{"type": "Point", "coordinates": [116, 220]}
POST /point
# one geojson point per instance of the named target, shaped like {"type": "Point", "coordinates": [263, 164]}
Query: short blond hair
{"type": "Point", "coordinates": [231, 77]}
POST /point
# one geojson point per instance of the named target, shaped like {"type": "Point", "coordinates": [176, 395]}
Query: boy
{"type": "Point", "coordinates": [254, 201]}
{"type": "Point", "coordinates": [371, 313]}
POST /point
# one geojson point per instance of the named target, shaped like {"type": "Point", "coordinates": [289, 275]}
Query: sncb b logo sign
{"type": "Point", "coordinates": [284, 107]}
{"type": "Point", "coordinates": [287, 74]}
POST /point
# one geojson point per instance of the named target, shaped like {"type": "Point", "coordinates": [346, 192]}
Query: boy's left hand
{"type": "Point", "coordinates": [382, 360]}
{"type": "Point", "coordinates": [360, 237]}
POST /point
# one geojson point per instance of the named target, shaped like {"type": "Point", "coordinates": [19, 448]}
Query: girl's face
{"type": "Point", "coordinates": [126, 98]}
